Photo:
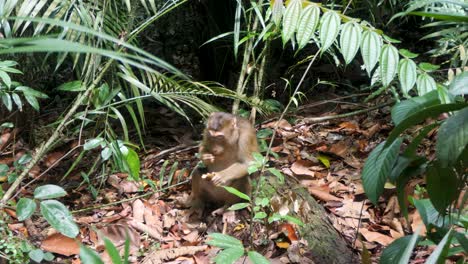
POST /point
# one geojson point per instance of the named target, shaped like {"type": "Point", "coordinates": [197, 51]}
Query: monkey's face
{"type": "Point", "coordinates": [220, 125]}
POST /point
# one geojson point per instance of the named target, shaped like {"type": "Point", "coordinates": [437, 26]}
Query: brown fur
{"type": "Point", "coordinates": [226, 150]}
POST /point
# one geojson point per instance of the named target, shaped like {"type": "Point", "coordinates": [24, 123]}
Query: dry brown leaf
{"type": "Point", "coordinates": [60, 244]}
{"type": "Point", "coordinates": [150, 230]}
{"type": "Point", "coordinates": [138, 210]}
{"type": "Point", "coordinates": [117, 234]}
{"type": "Point", "coordinates": [349, 126]}
{"type": "Point", "coordinates": [301, 167]}
{"type": "Point", "coordinates": [192, 237]}
{"type": "Point", "coordinates": [353, 209]}
{"type": "Point", "coordinates": [340, 149]}
{"type": "Point", "coordinates": [376, 237]}
{"type": "Point", "coordinates": [53, 157]}
{"type": "Point", "coordinates": [163, 255]}
{"type": "Point", "coordinates": [322, 195]}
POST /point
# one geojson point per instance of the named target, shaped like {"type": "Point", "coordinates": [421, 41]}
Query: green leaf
{"type": "Point", "coordinates": [291, 20]}
{"type": "Point", "coordinates": [17, 101]}
{"type": "Point", "coordinates": [388, 64]}
{"type": "Point", "coordinates": [425, 84]}
{"type": "Point", "coordinates": [407, 75]}
{"type": "Point", "coordinates": [133, 162]}
{"type": "Point", "coordinates": [6, 99]}
{"type": "Point", "coordinates": [93, 143]}
{"type": "Point", "coordinates": [427, 67]}
{"type": "Point", "coordinates": [224, 241]}
{"type": "Point", "coordinates": [58, 216]}
{"type": "Point", "coordinates": [329, 27]}
{"type": "Point", "coordinates": [349, 40]}
{"type": "Point", "coordinates": [89, 256]}
{"type": "Point", "coordinates": [32, 92]}
{"type": "Point", "coordinates": [32, 101]}
{"type": "Point", "coordinates": [378, 167]}
{"type": "Point", "coordinates": [277, 173]}
{"type": "Point", "coordinates": [391, 40]}
{"type": "Point", "coordinates": [439, 180]}
{"type": "Point", "coordinates": [36, 255]}
{"type": "Point", "coordinates": [264, 133]}
{"type": "Point", "coordinates": [73, 86]}
{"type": "Point", "coordinates": [5, 78]}
{"type": "Point", "coordinates": [420, 116]}
{"type": "Point", "coordinates": [260, 215]}
{"type": "Point", "coordinates": [238, 206]}
{"type": "Point", "coordinates": [229, 256]}
{"type": "Point", "coordinates": [399, 251]}
{"type": "Point", "coordinates": [458, 85]}
{"type": "Point", "coordinates": [237, 193]}
{"type": "Point", "coordinates": [429, 214]}
{"type": "Point", "coordinates": [257, 258]}
{"type": "Point", "coordinates": [452, 138]}
{"type": "Point", "coordinates": [49, 256]}
{"type": "Point", "coordinates": [408, 107]}
{"type": "Point", "coordinates": [7, 125]}
{"type": "Point", "coordinates": [112, 251]}
{"type": "Point", "coordinates": [25, 208]}
{"type": "Point", "coordinates": [26, 158]}
{"type": "Point", "coordinates": [371, 47]}
{"type": "Point", "coordinates": [437, 253]}
{"type": "Point", "coordinates": [408, 54]}
{"type": "Point", "coordinates": [277, 11]}
{"type": "Point", "coordinates": [106, 153]}
{"type": "Point", "coordinates": [307, 25]}
{"type": "Point", "coordinates": [49, 191]}
{"type": "Point", "coordinates": [325, 160]}
{"type": "Point", "coordinates": [3, 169]}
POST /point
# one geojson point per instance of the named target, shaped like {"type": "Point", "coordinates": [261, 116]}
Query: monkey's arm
{"type": "Point", "coordinates": [235, 171]}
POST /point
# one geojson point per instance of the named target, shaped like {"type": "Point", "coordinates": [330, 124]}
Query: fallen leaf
{"type": "Point", "coordinates": [376, 237]}
{"type": "Point", "coordinates": [301, 167]}
{"type": "Point", "coordinates": [60, 244]}
{"type": "Point", "coordinates": [322, 195]}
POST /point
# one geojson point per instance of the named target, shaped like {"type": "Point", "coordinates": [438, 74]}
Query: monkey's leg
{"type": "Point", "coordinates": [196, 198]}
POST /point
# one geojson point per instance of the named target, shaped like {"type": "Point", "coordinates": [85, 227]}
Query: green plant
{"type": "Point", "coordinates": [446, 175]}
{"type": "Point", "coordinates": [88, 255]}
{"type": "Point", "coordinates": [10, 91]}
{"type": "Point", "coordinates": [232, 250]}
{"type": "Point", "coordinates": [12, 247]}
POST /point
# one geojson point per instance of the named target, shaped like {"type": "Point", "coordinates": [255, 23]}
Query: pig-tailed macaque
{"type": "Point", "coordinates": [226, 150]}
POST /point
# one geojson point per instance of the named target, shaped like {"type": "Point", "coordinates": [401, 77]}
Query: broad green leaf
{"type": "Point", "coordinates": [3, 168]}
{"type": "Point", "coordinates": [7, 125]}
{"type": "Point", "coordinates": [425, 84]}
{"type": "Point", "coordinates": [408, 54]}
{"type": "Point", "coordinates": [229, 256]}
{"type": "Point", "coordinates": [427, 67]}
{"type": "Point", "coordinates": [31, 91]}
{"type": "Point", "coordinates": [260, 215]}
{"type": "Point", "coordinates": [399, 251]}
{"type": "Point", "coordinates": [407, 75]}
{"type": "Point", "coordinates": [106, 153]}
{"type": "Point", "coordinates": [224, 241]}
{"type": "Point", "coordinates": [112, 251]}
{"type": "Point", "coordinates": [73, 86]}
{"type": "Point", "coordinates": [49, 256]}
{"type": "Point", "coordinates": [388, 64]}
{"type": "Point", "coordinates": [89, 256]}
{"type": "Point", "coordinates": [238, 206]}
{"type": "Point", "coordinates": [257, 258]}
{"type": "Point", "coordinates": [307, 25]}
{"type": "Point", "coordinates": [291, 20]}
{"type": "Point", "coordinates": [408, 107]}
{"type": "Point", "coordinates": [325, 160]}
{"type": "Point", "coordinates": [458, 85]}
{"type": "Point", "coordinates": [25, 208]}
{"type": "Point", "coordinates": [438, 181]}
{"type": "Point", "coordinates": [237, 193]}
{"type": "Point", "coordinates": [419, 116]}
{"type": "Point", "coordinates": [37, 255]}
{"type": "Point", "coordinates": [32, 101]}
{"type": "Point", "coordinates": [452, 138]}
{"type": "Point", "coordinates": [17, 101]}
{"type": "Point", "coordinates": [6, 99]}
{"type": "Point", "coordinates": [329, 27]}
{"type": "Point", "coordinates": [58, 216]}
{"type": "Point", "coordinates": [350, 40]}
{"type": "Point", "coordinates": [49, 191]}
{"type": "Point", "coordinates": [371, 47]}
{"type": "Point", "coordinates": [24, 159]}
{"type": "Point", "coordinates": [277, 173]}
{"type": "Point", "coordinates": [93, 143]}
{"type": "Point", "coordinates": [5, 78]}
{"type": "Point", "coordinates": [429, 214]}
{"type": "Point", "coordinates": [437, 253]}
{"type": "Point", "coordinates": [378, 167]}
{"type": "Point", "coordinates": [133, 162]}
{"type": "Point", "coordinates": [277, 11]}
{"type": "Point", "coordinates": [391, 40]}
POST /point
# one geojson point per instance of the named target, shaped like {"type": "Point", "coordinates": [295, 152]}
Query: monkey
{"type": "Point", "coordinates": [226, 151]}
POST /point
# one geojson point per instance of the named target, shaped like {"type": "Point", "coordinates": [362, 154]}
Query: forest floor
{"type": "Point", "coordinates": [325, 155]}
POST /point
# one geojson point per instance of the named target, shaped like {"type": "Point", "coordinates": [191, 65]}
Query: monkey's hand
{"type": "Point", "coordinates": [220, 180]}
{"type": "Point", "coordinates": [208, 158]}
